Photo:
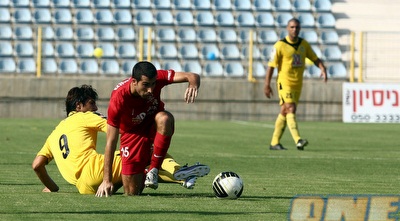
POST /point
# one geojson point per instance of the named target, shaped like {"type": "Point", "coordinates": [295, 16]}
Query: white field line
{"type": "Point", "coordinates": [252, 124]}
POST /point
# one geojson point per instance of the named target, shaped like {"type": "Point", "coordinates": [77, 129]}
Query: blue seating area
{"type": "Point", "coordinates": [206, 36]}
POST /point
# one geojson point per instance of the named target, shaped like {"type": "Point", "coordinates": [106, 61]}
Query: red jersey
{"type": "Point", "coordinates": [135, 114]}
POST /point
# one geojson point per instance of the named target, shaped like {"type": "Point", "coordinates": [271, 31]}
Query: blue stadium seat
{"type": "Point", "coordinates": [156, 64]}
{"type": "Point", "coordinates": [85, 50]}
{"type": "Point", "coordinates": [283, 18]}
{"type": "Point", "coordinates": [85, 33]}
{"type": "Point", "coordinates": [164, 18]}
{"type": "Point", "coordinates": [313, 71]}
{"type": "Point", "coordinates": [244, 36]}
{"type": "Point", "coordinates": [207, 35]}
{"type": "Point", "coordinates": [168, 51]}
{"type": "Point", "coordinates": [310, 35]}
{"type": "Point", "coordinates": [126, 34]}
{"type": "Point", "coordinates": [242, 5]}
{"type": "Point", "coordinates": [259, 70]}
{"type": "Point", "coordinates": [63, 16]}
{"type": "Point", "coordinates": [192, 66]}
{"type": "Point", "coordinates": [6, 32]}
{"type": "Point", "coordinates": [202, 4]}
{"type": "Point", "coordinates": [21, 3]}
{"type": "Point", "coordinates": [49, 66]}
{"type": "Point", "coordinates": [332, 53]}
{"type": "Point", "coordinates": [234, 69]}
{"type": "Point", "coordinates": [283, 33]}
{"type": "Point", "coordinates": [183, 4]}
{"type": "Point", "coordinates": [126, 50]}
{"type": "Point", "coordinates": [184, 18]}
{"type": "Point", "coordinates": [26, 65]}
{"type": "Point", "coordinates": [127, 66]}
{"type": "Point", "coordinates": [326, 20]}
{"type": "Point", "coordinates": [225, 18]}
{"type": "Point", "coordinates": [7, 65]}
{"type": "Point", "coordinates": [82, 3]}
{"type": "Point", "coordinates": [322, 5]}
{"type": "Point", "coordinates": [68, 66]}
{"type": "Point", "coordinates": [109, 67]}
{"type": "Point", "coordinates": [162, 4]}
{"type": "Point", "coordinates": [101, 3]}
{"type": "Point", "coordinates": [5, 3]}
{"type": "Point", "coordinates": [104, 16]}
{"type": "Point", "coordinates": [187, 35]}
{"type": "Point", "coordinates": [124, 4]}
{"type": "Point", "coordinates": [230, 52]}
{"type": "Point", "coordinates": [165, 35]}
{"type": "Point", "coordinates": [262, 5]}
{"type": "Point", "coordinates": [5, 16]}
{"type": "Point", "coordinates": [307, 20]}
{"type": "Point", "coordinates": [105, 33]}
{"type": "Point", "coordinates": [84, 16]}
{"type": "Point", "coordinates": [268, 36]}
{"type": "Point", "coordinates": [337, 70]}
{"type": "Point", "coordinates": [142, 4]}
{"type": "Point", "coordinates": [266, 52]}
{"type": "Point", "coordinates": [282, 5]}
{"type": "Point", "coordinates": [317, 50]}
{"type": "Point", "coordinates": [146, 52]}
{"type": "Point", "coordinates": [108, 49]}
{"type": "Point", "coordinates": [61, 3]}
{"type": "Point", "coordinates": [188, 51]}
{"type": "Point", "coordinates": [47, 49]}
{"type": "Point", "coordinates": [42, 16]}
{"type": "Point", "coordinates": [221, 5]}
{"type": "Point", "coordinates": [246, 19]}
{"type": "Point", "coordinates": [89, 66]}
{"type": "Point", "coordinates": [123, 17]}
{"type": "Point", "coordinates": [209, 52]}
{"type": "Point", "coordinates": [24, 49]}
{"type": "Point", "coordinates": [23, 33]}
{"type": "Point", "coordinates": [172, 65]}
{"type": "Point", "coordinates": [144, 17]}
{"type": "Point", "coordinates": [64, 33]}
{"type": "Point", "coordinates": [329, 37]}
{"type": "Point", "coordinates": [227, 36]}
{"type": "Point", "coordinates": [302, 5]}
{"type": "Point", "coordinates": [265, 19]}
{"type": "Point", "coordinates": [213, 69]}
{"type": "Point", "coordinates": [21, 15]}
{"type": "Point", "coordinates": [205, 18]}
{"type": "Point", "coordinates": [6, 49]}
{"type": "Point", "coordinates": [65, 49]}
{"type": "Point", "coordinates": [47, 33]}
{"type": "Point", "coordinates": [256, 52]}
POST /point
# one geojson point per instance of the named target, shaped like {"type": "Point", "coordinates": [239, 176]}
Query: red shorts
{"type": "Point", "coordinates": [136, 152]}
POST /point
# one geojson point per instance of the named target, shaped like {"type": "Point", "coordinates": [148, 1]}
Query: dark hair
{"type": "Point", "coordinates": [143, 68]}
{"type": "Point", "coordinates": [79, 95]}
{"type": "Point", "coordinates": [295, 20]}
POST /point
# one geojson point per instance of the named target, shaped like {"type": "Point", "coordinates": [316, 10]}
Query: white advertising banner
{"type": "Point", "coordinates": [371, 103]}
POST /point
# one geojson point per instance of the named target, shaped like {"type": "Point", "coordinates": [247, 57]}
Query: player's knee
{"type": "Point", "coordinates": [165, 119]}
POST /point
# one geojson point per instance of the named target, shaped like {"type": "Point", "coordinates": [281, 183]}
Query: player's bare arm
{"type": "Point", "coordinates": [39, 166]}
{"type": "Point", "coordinates": [267, 86]}
{"type": "Point", "coordinates": [193, 87]}
{"type": "Point", "coordinates": [106, 187]}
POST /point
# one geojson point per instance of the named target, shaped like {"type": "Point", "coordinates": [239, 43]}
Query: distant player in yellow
{"type": "Point", "coordinates": [289, 56]}
{"type": "Point", "coordinates": [72, 145]}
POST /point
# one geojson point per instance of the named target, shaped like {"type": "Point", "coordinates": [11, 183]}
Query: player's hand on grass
{"type": "Point", "coordinates": [190, 94]}
{"type": "Point", "coordinates": [105, 189]}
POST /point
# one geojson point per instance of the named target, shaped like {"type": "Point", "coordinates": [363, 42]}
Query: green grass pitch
{"type": "Point", "coordinates": [340, 159]}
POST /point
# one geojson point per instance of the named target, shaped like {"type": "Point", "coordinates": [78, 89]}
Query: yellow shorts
{"type": "Point", "coordinates": [92, 174]}
{"type": "Point", "coordinates": [287, 95]}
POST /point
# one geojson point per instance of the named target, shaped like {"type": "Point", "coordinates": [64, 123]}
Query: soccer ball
{"type": "Point", "coordinates": [227, 185]}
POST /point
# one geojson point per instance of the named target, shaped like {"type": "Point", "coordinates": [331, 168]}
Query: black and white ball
{"type": "Point", "coordinates": [227, 185]}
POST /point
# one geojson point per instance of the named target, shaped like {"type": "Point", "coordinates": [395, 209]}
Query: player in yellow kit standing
{"type": "Point", "coordinates": [289, 56]}
{"type": "Point", "coordinates": [72, 145]}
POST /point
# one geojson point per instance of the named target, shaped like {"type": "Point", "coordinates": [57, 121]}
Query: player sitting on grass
{"type": "Point", "coordinates": [72, 145]}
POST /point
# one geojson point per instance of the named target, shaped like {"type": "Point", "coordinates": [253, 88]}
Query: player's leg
{"type": "Point", "coordinates": [165, 123]}
{"type": "Point", "coordinates": [133, 184]}
{"type": "Point", "coordinates": [280, 125]}
{"type": "Point", "coordinates": [167, 170]}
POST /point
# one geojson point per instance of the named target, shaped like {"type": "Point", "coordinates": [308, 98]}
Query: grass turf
{"type": "Point", "coordinates": [340, 159]}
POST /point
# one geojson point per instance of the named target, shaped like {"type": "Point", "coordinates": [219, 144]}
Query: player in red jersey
{"type": "Point", "coordinates": [137, 113]}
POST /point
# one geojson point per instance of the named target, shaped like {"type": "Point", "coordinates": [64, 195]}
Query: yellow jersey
{"type": "Point", "coordinates": [73, 143]}
{"type": "Point", "coordinates": [290, 59]}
